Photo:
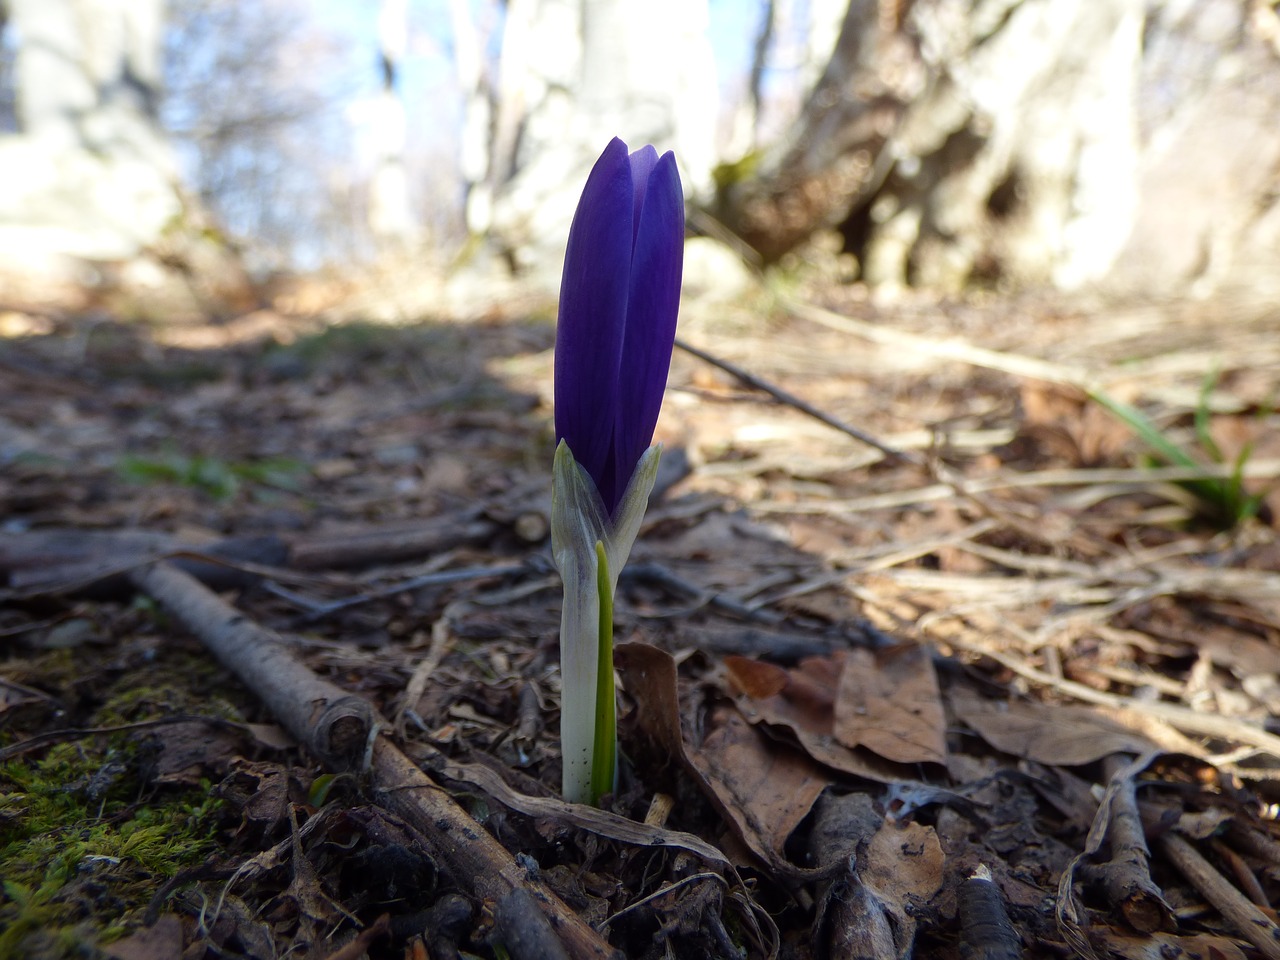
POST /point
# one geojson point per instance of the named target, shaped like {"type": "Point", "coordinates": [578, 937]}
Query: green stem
{"type": "Point", "coordinates": [604, 753]}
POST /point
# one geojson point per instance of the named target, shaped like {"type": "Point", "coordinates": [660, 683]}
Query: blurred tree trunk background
{"type": "Point", "coordinates": [1128, 143]}
{"type": "Point", "coordinates": [390, 214]}
{"type": "Point", "coordinates": [1124, 145]}
{"type": "Point", "coordinates": [90, 176]}
{"type": "Point", "coordinates": [572, 75]}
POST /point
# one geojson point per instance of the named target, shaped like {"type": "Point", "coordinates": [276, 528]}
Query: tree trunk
{"type": "Point", "coordinates": [90, 178]}
{"type": "Point", "coordinates": [571, 76]}
{"type": "Point", "coordinates": [824, 166]}
{"type": "Point", "coordinates": [390, 218]}
{"type": "Point", "coordinates": [89, 173]}
{"type": "Point", "coordinates": [1031, 141]}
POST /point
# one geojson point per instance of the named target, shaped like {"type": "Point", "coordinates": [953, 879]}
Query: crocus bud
{"type": "Point", "coordinates": [619, 297]}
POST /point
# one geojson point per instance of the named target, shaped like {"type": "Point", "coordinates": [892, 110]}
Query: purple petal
{"type": "Point", "coordinates": [642, 163]}
{"type": "Point", "coordinates": [593, 311]}
{"type": "Point", "coordinates": [654, 302]}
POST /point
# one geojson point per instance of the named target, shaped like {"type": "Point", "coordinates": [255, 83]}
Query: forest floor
{"type": "Point", "coordinates": [1007, 683]}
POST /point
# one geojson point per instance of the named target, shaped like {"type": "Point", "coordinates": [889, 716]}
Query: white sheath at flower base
{"type": "Point", "coordinates": [578, 521]}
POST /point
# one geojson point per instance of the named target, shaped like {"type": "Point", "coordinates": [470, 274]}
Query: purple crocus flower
{"type": "Point", "coordinates": [618, 302]}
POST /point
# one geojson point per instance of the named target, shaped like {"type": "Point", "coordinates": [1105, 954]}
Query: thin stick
{"type": "Point", "coordinates": [1127, 875]}
{"type": "Point", "coordinates": [319, 611]}
{"type": "Point", "coordinates": [340, 729]}
{"type": "Point", "coordinates": [898, 456]}
{"type": "Point", "coordinates": [334, 725]}
{"type": "Point", "coordinates": [1249, 922]}
{"type": "Point", "coordinates": [951, 480]}
{"type": "Point", "coordinates": [950, 349]}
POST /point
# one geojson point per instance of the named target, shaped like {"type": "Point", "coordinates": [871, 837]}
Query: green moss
{"type": "Point", "coordinates": [83, 856]}
{"type": "Point", "coordinates": [86, 839]}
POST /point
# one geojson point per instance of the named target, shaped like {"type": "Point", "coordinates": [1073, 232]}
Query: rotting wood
{"type": "Point", "coordinates": [524, 929]}
{"type": "Point", "coordinates": [339, 728]}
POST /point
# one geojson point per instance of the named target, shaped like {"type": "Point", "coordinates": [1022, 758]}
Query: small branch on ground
{"type": "Point", "coordinates": [334, 725]}
{"type": "Point", "coordinates": [1126, 877]}
{"type": "Point", "coordinates": [339, 728]}
{"type": "Point", "coordinates": [99, 563]}
{"type": "Point", "coordinates": [1247, 920]}
{"type": "Point", "coordinates": [985, 930]}
{"type": "Point", "coordinates": [791, 400]}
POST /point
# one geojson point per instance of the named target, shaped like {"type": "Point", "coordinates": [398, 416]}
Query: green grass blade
{"type": "Point", "coordinates": [1203, 434]}
{"type": "Point", "coordinates": [1147, 431]}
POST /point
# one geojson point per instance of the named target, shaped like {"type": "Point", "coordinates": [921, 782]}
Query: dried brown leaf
{"type": "Point", "coordinates": [1052, 734]}
{"type": "Point", "coordinates": [889, 702]}
{"type": "Point", "coordinates": [805, 707]}
{"type": "Point", "coordinates": [903, 868]}
{"type": "Point", "coordinates": [1162, 946]}
{"type": "Point", "coordinates": [755, 678]}
{"type": "Point", "coordinates": [767, 788]}
{"type": "Point", "coordinates": [763, 788]}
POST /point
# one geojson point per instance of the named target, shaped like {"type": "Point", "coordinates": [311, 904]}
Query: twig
{"type": "Point", "coordinates": [473, 856]}
{"type": "Point", "coordinates": [664, 891]}
{"type": "Point", "coordinates": [525, 930]}
{"type": "Point", "coordinates": [1244, 876]}
{"type": "Point", "coordinates": [359, 945]}
{"type": "Point", "coordinates": [1181, 718]}
{"type": "Point", "coordinates": [334, 725]}
{"type": "Point", "coordinates": [1070, 915]}
{"type": "Point", "coordinates": [602, 822]}
{"type": "Point", "coordinates": [318, 611]}
{"type": "Point", "coordinates": [951, 349]}
{"type": "Point", "coordinates": [985, 930]}
{"type": "Point", "coordinates": [1249, 922]}
{"type": "Point", "coordinates": [339, 727]}
{"type": "Point", "coordinates": [950, 480]}
{"type": "Point", "coordinates": [1121, 479]}
{"type": "Point", "coordinates": [385, 545]}
{"type": "Point", "coordinates": [70, 561]}
{"type": "Point", "coordinates": [897, 456]}
{"type": "Point", "coordinates": [417, 685]}
{"type": "Point", "coordinates": [1127, 875]}
{"type": "Point", "coordinates": [660, 575]}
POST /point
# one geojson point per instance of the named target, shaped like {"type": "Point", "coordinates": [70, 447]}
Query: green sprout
{"type": "Point", "coordinates": [1222, 500]}
{"type": "Point", "coordinates": [216, 478]}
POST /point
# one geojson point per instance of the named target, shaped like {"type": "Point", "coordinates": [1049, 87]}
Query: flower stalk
{"type": "Point", "coordinates": [604, 751]}
{"type": "Point", "coordinates": [619, 298]}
